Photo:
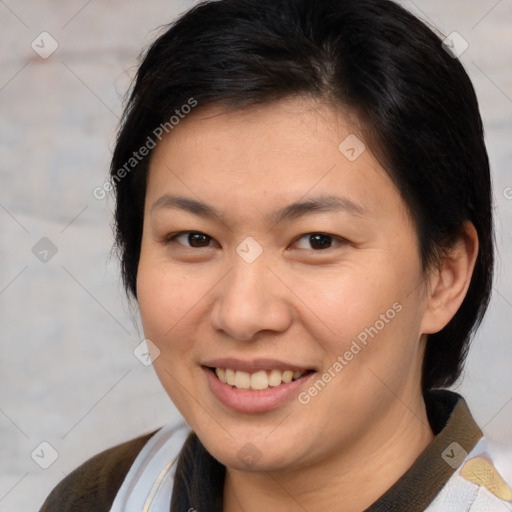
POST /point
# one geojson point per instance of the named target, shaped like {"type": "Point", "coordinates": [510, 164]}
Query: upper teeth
{"type": "Point", "coordinates": [258, 380]}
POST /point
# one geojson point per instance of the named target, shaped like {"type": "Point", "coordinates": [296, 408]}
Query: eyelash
{"type": "Point", "coordinates": [172, 239]}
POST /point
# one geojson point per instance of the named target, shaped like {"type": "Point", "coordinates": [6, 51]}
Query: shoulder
{"type": "Point", "coordinates": [502, 455]}
{"type": "Point", "coordinates": [150, 480]}
{"type": "Point", "coordinates": [94, 485]}
{"type": "Point", "coordinates": [483, 481]}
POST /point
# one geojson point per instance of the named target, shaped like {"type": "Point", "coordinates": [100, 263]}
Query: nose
{"type": "Point", "coordinates": [250, 300]}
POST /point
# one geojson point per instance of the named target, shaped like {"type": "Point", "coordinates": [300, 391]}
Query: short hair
{"type": "Point", "coordinates": [416, 103]}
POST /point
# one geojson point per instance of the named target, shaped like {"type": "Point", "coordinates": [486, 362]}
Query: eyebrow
{"type": "Point", "coordinates": [298, 209]}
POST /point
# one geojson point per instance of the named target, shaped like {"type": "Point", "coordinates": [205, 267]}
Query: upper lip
{"type": "Point", "coordinates": [254, 365]}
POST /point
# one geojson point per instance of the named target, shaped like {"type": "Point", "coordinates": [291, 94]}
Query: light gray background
{"type": "Point", "coordinates": [68, 373]}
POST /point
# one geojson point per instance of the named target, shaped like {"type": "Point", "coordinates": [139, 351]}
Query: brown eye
{"type": "Point", "coordinates": [193, 239]}
{"type": "Point", "coordinates": [198, 240]}
{"type": "Point", "coordinates": [320, 241]}
{"type": "Point", "coordinates": [315, 241]}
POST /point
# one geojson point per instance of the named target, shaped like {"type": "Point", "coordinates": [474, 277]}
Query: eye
{"type": "Point", "coordinates": [198, 240]}
{"type": "Point", "coordinates": [317, 241]}
{"type": "Point", "coordinates": [192, 239]}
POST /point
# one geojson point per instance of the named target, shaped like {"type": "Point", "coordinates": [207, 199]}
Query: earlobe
{"type": "Point", "coordinates": [449, 283]}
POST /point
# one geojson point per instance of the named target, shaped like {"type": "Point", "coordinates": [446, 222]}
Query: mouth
{"type": "Point", "coordinates": [260, 380]}
{"type": "Point", "coordinates": [257, 386]}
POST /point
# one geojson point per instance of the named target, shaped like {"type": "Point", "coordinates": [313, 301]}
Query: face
{"type": "Point", "coordinates": [280, 279]}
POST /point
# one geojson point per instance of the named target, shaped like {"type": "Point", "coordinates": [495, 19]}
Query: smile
{"type": "Point", "coordinates": [257, 386]}
{"type": "Point", "coordinates": [257, 381]}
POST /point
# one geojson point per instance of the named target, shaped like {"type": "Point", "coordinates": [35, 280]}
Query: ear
{"type": "Point", "coordinates": [449, 282]}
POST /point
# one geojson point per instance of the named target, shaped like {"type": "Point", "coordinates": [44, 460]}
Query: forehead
{"type": "Point", "coordinates": [267, 155]}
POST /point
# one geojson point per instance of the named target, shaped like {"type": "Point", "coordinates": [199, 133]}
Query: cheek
{"type": "Point", "coordinates": [370, 344]}
{"type": "Point", "coordinates": [165, 297]}
{"type": "Point", "coordinates": [169, 303]}
{"type": "Point", "coordinates": [374, 304]}
{"type": "Point", "coordinates": [347, 300]}
{"type": "Point", "coordinates": [174, 303]}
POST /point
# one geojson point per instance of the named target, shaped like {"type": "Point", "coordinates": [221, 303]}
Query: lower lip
{"type": "Point", "coordinates": [244, 400]}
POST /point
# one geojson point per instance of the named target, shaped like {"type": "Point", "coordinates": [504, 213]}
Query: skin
{"type": "Point", "coordinates": [296, 302]}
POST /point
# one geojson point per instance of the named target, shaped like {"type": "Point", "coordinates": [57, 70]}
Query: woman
{"type": "Point", "coordinates": [304, 218]}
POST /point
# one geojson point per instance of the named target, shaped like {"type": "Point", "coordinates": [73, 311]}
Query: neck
{"type": "Point", "coordinates": [355, 476]}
